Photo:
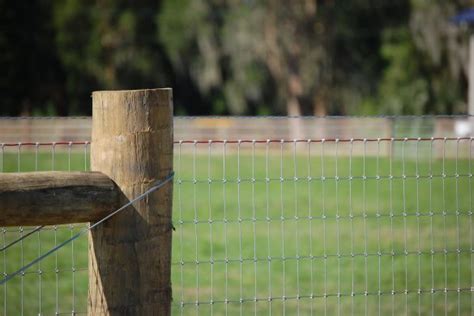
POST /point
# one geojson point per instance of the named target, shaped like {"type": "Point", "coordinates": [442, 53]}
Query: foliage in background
{"type": "Point", "coordinates": [236, 57]}
{"type": "Point", "coordinates": [427, 61]}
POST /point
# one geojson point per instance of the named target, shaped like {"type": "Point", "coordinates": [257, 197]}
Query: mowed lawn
{"type": "Point", "coordinates": [284, 232]}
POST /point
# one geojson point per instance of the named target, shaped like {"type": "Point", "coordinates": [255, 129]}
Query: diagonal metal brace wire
{"type": "Point", "coordinates": [37, 228]}
{"type": "Point", "coordinates": [157, 185]}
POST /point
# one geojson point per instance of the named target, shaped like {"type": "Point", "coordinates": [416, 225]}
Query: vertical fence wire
{"type": "Point", "coordinates": [323, 206]}
{"type": "Point", "coordinates": [267, 218]}
{"type": "Point", "coordinates": [210, 217]}
{"type": "Point", "coordinates": [471, 229]}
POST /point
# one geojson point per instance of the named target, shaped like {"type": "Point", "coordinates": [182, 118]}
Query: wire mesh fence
{"type": "Point", "coordinates": [57, 285]}
{"type": "Point", "coordinates": [309, 227]}
{"type": "Point", "coordinates": [318, 226]}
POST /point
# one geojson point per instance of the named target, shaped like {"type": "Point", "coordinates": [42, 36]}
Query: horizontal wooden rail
{"type": "Point", "coordinates": [53, 198]}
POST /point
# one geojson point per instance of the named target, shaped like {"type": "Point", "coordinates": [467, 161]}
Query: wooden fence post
{"type": "Point", "coordinates": [130, 254]}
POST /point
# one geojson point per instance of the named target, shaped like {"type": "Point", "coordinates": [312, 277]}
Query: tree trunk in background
{"type": "Point", "coordinates": [319, 105]}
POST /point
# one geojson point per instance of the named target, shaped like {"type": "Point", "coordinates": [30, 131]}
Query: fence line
{"type": "Point", "coordinates": [285, 233]}
{"type": "Point", "coordinates": [61, 281]}
{"type": "Point", "coordinates": [388, 143]}
{"type": "Point", "coordinates": [204, 128]}
{"type": "Point", "coordinates": [340, 226]}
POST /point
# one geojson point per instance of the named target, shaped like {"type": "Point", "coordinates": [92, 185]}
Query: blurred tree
{"type": "Point", "coordinates": [31, 72]}
{"type": "Point", "coordinates": [78, 47]}
{"type": "Point", "coordinates": [280, 57]}
{"type": "Point", "coordinates": [108, 45]}
{"type": "Point", "coordinates": [404, 88]}
{"type": "Point", "coordinates": [427, 61]}
{"type": "Point", "coordinates": [189, 31]}
{"type": "Point", "coordinates": [246, 57]}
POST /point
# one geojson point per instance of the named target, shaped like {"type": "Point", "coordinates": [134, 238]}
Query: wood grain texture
{"type": "Point", "coordinates": [53, 198]}
{"type": "Point", "coordinates": [130, 254]}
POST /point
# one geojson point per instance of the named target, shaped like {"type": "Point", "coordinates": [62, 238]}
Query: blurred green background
{"type": "Point", "coordinates": [231, 57]}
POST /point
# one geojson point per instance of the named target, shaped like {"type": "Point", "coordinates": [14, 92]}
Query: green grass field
{"type": "Point", "coordinates": [358, 225]}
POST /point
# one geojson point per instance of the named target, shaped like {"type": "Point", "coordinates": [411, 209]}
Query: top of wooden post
{"type": "Point", "coordinates": [131, 91]}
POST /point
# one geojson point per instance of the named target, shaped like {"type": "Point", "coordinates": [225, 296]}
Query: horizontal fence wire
{"type": "Point", "coordinates": [19, 145]}
{"type": "Point", "coordinates": [305, 226]}
{"type": "Point", "coordinates": [282, 117]}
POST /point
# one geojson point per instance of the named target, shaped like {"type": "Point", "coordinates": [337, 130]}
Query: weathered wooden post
{"type": "Point", "coordinates": [130, 254]}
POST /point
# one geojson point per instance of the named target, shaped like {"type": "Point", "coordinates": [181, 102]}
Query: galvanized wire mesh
{"type": "Point", "coordinates": [58, 284]}
{"type": "Point", "coordinates": [322, 227]}
{"type": "Point", "coordinates": [318, 226]}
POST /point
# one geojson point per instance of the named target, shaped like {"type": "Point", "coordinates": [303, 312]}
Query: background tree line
{"type": "Point", "coordinates": [245, 57]}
